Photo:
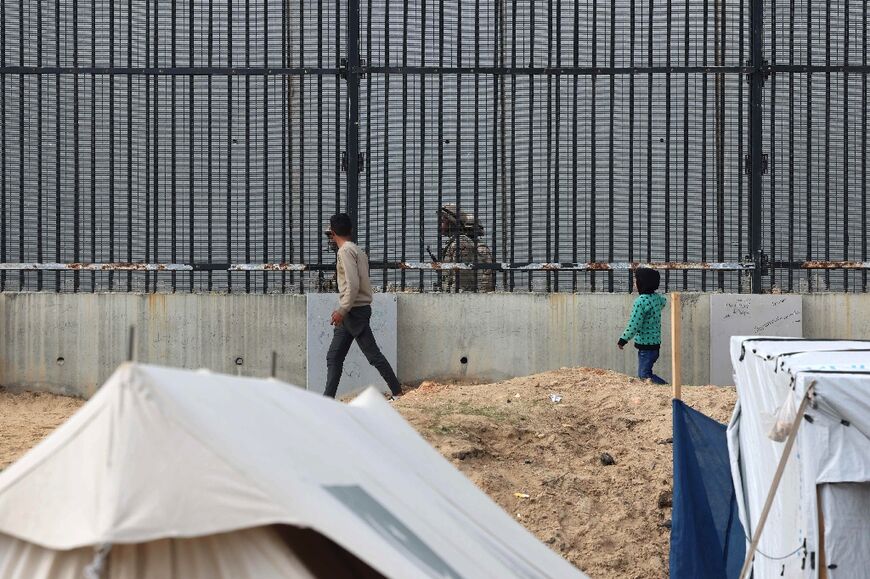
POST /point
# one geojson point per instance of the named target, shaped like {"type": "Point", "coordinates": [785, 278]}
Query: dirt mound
{"type": "Point", "coordinates": [27, 418]}
{"type": "Point", "coordinates": [581, 457]}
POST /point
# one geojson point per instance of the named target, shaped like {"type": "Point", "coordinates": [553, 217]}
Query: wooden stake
{"type": "Point", "coordinates": [676, 375]}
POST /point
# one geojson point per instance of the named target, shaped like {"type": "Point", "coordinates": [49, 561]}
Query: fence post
{"type": "Point", "coordinates": [756, 81]}
{"type": "Point", "coordinates": [676, 347]}
{"type": "Point", "coordinates": [352, 128]}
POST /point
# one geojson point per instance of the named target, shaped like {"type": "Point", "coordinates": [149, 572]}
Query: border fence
{"type": "Point", "coordinates": [201, 145]}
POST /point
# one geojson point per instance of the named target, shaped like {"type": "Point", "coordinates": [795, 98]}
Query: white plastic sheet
{"type": "Point", "coordinates": [832, 446]}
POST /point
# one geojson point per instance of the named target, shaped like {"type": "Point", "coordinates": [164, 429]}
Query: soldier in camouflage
{"type": "Point", "coordinates": [464, 237]}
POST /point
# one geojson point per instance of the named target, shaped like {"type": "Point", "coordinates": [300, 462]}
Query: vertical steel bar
{"type": "Point", "coordinates": [191, 131]}
{"type": "Point", "coordinates": [57, 166]}
{"type": "Point", "coordinates": [21, 188]}
{"type": "Point", "coordinates": [147, 224]}
{"type": "Point", "coordinates": [386, 161]}
{"type": "Point", "coordinates": [756, 27]}
{"type": "Point", "coordinates": [772, 150]}
{"type": "Point", "coordinates": [173, 150]}
{"type": "Point", "coordinates": [549, 79]}
{"type": "Point", "coordinates": [649, 138]}
{"type": "Point", "coordinates": [93, 144]}
{"type": "Point", "coordinates": [129, 143]}
{"type": "Point", "coordinates": [320, 175]}
{"type": "Point", "coordinates": [368, 201]}
{"type": "Point", "coordinates": [705, 51]}
{"type": "Point", "coordinates": [301, 105]}
{"type": "Point", "coordinates": [846, 145]}
{"type": "Point", "coordinates": [476, 141]}
{"type": "Point", "coordinates": [574, 150]}
{"type": "Point", "coordinates": [513, 188]}
{"type": "Point", "coordinates": [288, 139]}
{"type": "Point", "coordinates": [594, 155]}
{"type": "Point", "coordinates": [631, 57]}
{"type": "Point", "coordinates": [208, 120]}
{"type": "Point", "coordinates": [266, 152]}
{"type": "Point", "coordinates": [719, 128]}
{"type": "Point", "coordinates": [352, 128]}
{"type": "Point", "coordinates": [39, 233]}
{"type": "Point", "coordinates": [791, 198]}
{"type": "Point", "coordinates": [229, 226]}
{"type": "Point", "coordinates": [501, 133]}
{"type": "Point", "coordinates": [111, 141]}
{"type": "Point", "coordinates": [38, 144]}
{"type": "Point", "coordinates": [458, 159]}
{"type": "Point", "coordinates": [157, 136]}
{"type": "Point", "coordinates": [77, 242]}
{"type": "Point", "coordinates": [404, 183]}
{"type": "Point", "coordinates": [3, 226]}
{"type": "Point", "coordinates": [531, 136]}
{"type": "Point", "coordinates": [863, 146]}
{"type": "Point", "coordinates": [611, 206]}
{"type": "Point", "coordinates": [686, 149]}
{"type": "Point", "coordinates": [422, 166]}
{"type": "Point", "coordinates": [827, 143]}
{"type": "Point", "coordinates": [740, 143]}
{"type": "Point", "coordinates": [809, 146]}
{"type": "Point", "coordinates": [440, 125]}
{"type": "Point", "coordinates": [667, 191]}
{"type": "Point", "coordinates": [558, 168]}
{"type": "Point", "coordinates": [284, 168]}
{"type": "Point", "coordinates": [339, 50]}
{"type": "Point", "coordinates": [248, 143]}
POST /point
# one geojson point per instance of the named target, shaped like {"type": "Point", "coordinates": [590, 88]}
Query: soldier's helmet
{"type": "Point", "coordinates": [460, 222]}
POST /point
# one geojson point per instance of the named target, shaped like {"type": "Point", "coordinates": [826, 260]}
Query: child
{"type": "Point", "coordinates": [645, 324]}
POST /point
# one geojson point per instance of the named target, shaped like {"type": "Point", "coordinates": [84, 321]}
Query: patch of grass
{"type": "Point", "coordinates": [444, 429]}
{"type": "Point", "coordinates": [468, 409]}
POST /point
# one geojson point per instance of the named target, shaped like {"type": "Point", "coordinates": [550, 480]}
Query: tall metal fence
{"type": "Point", "coordinates": [201, 145]}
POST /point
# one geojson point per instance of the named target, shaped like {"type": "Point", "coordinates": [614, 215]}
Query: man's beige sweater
{"type": "Point", "coordinates": [354, 286]}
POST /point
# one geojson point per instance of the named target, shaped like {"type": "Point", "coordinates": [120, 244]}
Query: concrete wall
{"type": "Point", "coordinates": [499, 335]}
{"type": "Point", "coordinates": [89, 332]}
{"type": "Point", "coordinates": [505, 335]}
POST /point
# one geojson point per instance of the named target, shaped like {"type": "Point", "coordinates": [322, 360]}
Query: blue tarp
{"type": "Point", "coordinates": [707, 539]}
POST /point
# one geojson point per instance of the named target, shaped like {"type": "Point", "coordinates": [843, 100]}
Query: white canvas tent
{"type": "Point", "coordinates": [168, 473]}
{"type": "Point", "coordinates": [819, 523]}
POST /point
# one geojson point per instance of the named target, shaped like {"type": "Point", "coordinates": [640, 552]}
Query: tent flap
{"type": "Point", "coordinates": [707, 538]}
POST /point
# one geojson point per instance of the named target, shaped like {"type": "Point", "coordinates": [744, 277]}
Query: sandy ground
{"type": "Point", "coordinates": [542, 461]}
{"type": "Point", "coordinates": [27, 418]}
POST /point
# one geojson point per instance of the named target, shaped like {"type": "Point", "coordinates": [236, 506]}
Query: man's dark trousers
{"type": "Point", "coordinates": [356, 326]}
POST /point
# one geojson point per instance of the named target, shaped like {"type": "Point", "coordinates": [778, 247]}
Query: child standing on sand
{"type": "Point", "coordinates": [645, 324]}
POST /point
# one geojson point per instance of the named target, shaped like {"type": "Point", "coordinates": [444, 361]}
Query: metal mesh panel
{"type": "Point", "coordinates": [553, 123]}
{"type": "Point", "coordinates": [214, 136]}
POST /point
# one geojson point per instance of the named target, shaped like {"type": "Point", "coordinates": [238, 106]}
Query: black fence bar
{"type": "Point", "coordinates": [93, 144]}
{"type": "Point", "coordinates": [191, 146]}
{"type": "Point", "coordinates": [568, 158]}
{"type": "Point", "coordinates": [863, 146]}
{"type": "Point", "coordinates": [3, 167]}
{"type": "Point", "coordinates": [756, 27]}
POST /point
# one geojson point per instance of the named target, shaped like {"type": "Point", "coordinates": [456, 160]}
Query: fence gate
{"type": "Point", "coordinates": [201, 146]}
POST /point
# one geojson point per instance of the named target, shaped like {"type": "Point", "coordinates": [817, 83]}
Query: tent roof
{"type": "Point", "coordinates": [160, 453]}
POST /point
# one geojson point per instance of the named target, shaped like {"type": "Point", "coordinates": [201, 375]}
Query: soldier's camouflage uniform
{"type": "Point", "coordinates": [461, 248]}
{"type": "Point", "coordinates": [468, 252]}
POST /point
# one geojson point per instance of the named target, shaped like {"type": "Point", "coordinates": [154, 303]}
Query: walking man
{"type": "Point", "coordinates": [351, 319]}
